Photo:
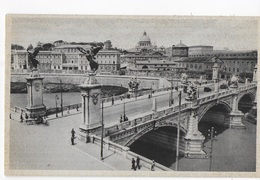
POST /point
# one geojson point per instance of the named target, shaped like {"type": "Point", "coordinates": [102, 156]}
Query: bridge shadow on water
{"type": "Point", "coordinates": [204, 128]}
{"type": "Point", "coordinates": [159, 154]}
{"type": "Point", "coordinates": [167, 157]}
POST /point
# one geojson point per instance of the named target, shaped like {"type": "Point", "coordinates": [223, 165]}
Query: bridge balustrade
{"type": "Point", "coordinates": [19, 110]}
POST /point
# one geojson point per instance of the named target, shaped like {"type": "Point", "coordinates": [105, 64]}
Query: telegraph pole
{"type": "Point", "coordinates": [61, 100]}
{"type": "Point", "coordinates": [178, 134]}
{"type": "Point", "coordinates": [171, 98]}
{"type": "Point", "coordinates": [56, 98]}
{"type": "Point", "coordinates": [102, 129]}
{"type": "Point", "coordinates": [212, 136]}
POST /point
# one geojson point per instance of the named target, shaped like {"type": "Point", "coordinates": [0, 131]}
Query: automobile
{"type": "Point", "coordinates": [207, 89]}
{"type": "Point", "coordinates": [223, 86]}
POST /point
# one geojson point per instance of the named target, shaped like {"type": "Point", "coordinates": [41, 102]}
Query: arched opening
{"type": "Point", "coordinates": [245, 103]}
{"type": "Point", "coordinates": [215, 117]}
{"type": "Point", "coordinates": [144, 67]}
{"type": "Point", "coordinates": [160, 145]}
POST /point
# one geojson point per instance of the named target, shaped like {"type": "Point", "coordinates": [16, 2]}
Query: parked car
{"type": "Point", "coordinates": [207, 89]}
{"type": "Point", "coordinates": [223, 86]}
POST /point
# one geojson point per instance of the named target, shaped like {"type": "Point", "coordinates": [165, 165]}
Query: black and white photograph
{"type": "Point", "coordinates": [131, 94]}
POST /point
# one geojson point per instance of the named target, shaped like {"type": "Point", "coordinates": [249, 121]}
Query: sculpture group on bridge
{"type": "Point", "coordinates": [90, 55]}
{"type": "Point", "coordinates": [191, 92]}
{"type": "Point", "coordinates": [133, 84]}
{"type": "Point", "coordinates": [234, 81]}
{"type": "Point", "coordinates": [184, 78]}
{"type": "Point", "coordinates": [32, 53]}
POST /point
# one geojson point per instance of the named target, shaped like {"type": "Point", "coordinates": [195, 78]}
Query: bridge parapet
{"type": "Point", "coordinates": [125, 151]}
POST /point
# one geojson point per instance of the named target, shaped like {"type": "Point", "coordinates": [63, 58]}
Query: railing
{"type": "Point", "coordinates": [125, 151]}
{"type": "Point", "coordinates": [65, 108]}
{"type": "Point", "coordinates": [18, 110]}
{"type": "Point", "coordinates": [131, 123]}
{"type": "Point", "coordinates": [149, 117]}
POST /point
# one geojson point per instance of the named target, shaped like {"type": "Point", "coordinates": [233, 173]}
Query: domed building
{"type": "Point", "coordinates": [180, 50]}
{"type": "Point", "coordinates": [144, 41]}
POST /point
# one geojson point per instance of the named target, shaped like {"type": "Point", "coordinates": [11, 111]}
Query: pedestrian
{"type": "Point", "coordinates": [10, 116]}
{"type": "Point", "coordinates": [68, 110]}
{"type": "Point", "coordinates": [121, 118]}
{"type": "Point", "coordinates": [72, 136]}
{"type": "Point", "coordinates": [138, 162]}
{"type": "Point", "coordinates": [77, 108]}
{"type": "Point", "coordinates": [133, 164]}
{"type": "Point", "coordinates": [152, 165]}
{"type": "Point", "coordinates": [21, 118]}
{"type": "Point", "coordinates": [26, 117]}
{"type": "Point", "coordinates": [112, 100]}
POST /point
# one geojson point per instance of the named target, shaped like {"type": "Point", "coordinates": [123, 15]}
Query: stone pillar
{"type": "Point", "coordinates": [235, 118]}
{"type": "Point", "coordinates": [91, 107]}
{"type": "Point", "coordinates": [215, 75]}
{"type": "Point", "coordinates": [35, 106]}
{"type": "Point", "coordinates": [194, 139]}
{"type": "Point", "coordinates": [154, 109]}
{"type": "Point", "coordinates": [255, 74]}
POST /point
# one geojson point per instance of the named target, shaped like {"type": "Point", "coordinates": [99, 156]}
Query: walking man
{"type": "Point", "coordinates": [138, 162]}
{"type": "Point", "coordinates": [133, 164]}
{"type": "Point", "coordinates": [21, 118]}
{"type": "Point", "coordinates": [72, 136]}
{"type": "Point", "coordinates": [152, 165]}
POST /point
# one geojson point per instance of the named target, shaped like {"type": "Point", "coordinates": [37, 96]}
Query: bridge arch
{"type": "Point", "coordinates": [149, 129]}
{"type": "Point", "coordinates": [222, 104]}
{"type": "Point", "coordinates": [245, 102]}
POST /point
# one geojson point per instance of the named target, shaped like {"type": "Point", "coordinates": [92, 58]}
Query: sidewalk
{"type": "Point", "coordinates": [111, 159]}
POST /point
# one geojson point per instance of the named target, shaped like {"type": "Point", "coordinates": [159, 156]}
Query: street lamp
{"type": "Point", "coordinates": [124, 112]}
{"type": "Point", "coordinates": [171, 96]}
{"type": "Point", "coordinates": [56, 98]}
{"type": "Point", "coordinates": [61, 100]}
{"type": "Point", "coordinates": [178, 134]}
{"type": "Point", "coordinates": [102, 129]}
{"type": "Point", "coordinates": [212, 136]}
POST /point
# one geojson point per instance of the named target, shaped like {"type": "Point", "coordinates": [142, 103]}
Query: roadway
{"type": "Point", "coordinates": [144, 105]}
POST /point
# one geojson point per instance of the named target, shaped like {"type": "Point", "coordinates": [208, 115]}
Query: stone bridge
{"type": "Point", "coordinates": [225, 107]}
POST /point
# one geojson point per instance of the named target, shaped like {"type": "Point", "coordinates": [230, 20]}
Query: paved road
{"type": "Point", "coordinates": [143, 105]}
{"type": "Point", "coordinates": [39, 147]}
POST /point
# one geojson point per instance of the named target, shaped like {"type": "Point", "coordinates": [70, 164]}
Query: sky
{"type": "Point", "coordinates": [125, 31]}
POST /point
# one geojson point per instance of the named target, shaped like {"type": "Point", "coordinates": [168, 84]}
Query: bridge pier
{"type": "Point", "coordinates": [35, 106]}
{"type": "Point", "coordinates": [194, 139]}
{"type": "Point", "coordinates": [235, 118]}
{"type": "Point", "coordinates": [91, 112]}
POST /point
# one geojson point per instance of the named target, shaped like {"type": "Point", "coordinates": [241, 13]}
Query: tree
{"type": "Point", "coordinates": [17, 47]}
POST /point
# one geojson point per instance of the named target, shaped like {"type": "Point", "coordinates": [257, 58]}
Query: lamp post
{"type": "Point", "coordinates": [61, 100]}
{"type": "Point", "coordinates": [102, 129]}
{"type": "Point", "coordinates": [212, 138]}
{"type": "Point", "coordinates": [124, 111]}
{"type": "Point", "coordinates": [171, 96]}
{"type": "Point", "coordinates": [56, 98]}
{"type": "Point", "coordinates": [178, 134]}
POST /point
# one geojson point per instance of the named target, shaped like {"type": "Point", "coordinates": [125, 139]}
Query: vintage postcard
{"type": "Point", "coordinates": [131, 96]}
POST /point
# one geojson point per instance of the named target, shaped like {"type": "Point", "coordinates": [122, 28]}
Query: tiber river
{"type": "Point", "coordinates": [20, 100]}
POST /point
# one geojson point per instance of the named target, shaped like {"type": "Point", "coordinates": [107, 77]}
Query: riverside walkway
{"type": "Point", "coordinates": [41, 147]}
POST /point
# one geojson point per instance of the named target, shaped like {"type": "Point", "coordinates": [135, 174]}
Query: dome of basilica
{"type": "Point", "coordinates": [144, 38]}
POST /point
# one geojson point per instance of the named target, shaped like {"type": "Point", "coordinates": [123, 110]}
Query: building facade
{"type": "Point", "coordinates": [66, 58]}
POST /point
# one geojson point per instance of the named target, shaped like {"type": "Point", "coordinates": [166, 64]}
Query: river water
{"type": "Point", "coordinates": [20, 100]}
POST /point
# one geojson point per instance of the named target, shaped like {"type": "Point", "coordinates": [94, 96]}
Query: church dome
{"type": "Point", "coordinates": [181, 45]}
{"type": "Point", "coordinates": [144, 38]}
